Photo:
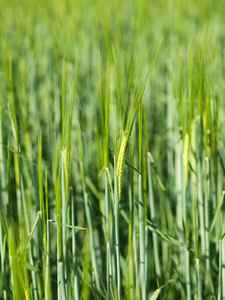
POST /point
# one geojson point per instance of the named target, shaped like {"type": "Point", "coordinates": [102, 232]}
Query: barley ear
{"type": "Point", "coordinates": [66, 172]}
{"type": "Point", "coordinates": [186, 156]}
{"type": "Point", "coordinates": [121, 163]}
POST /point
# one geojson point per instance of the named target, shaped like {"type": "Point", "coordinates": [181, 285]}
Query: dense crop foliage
{"type": "Point", "coordinates": [112, 152]}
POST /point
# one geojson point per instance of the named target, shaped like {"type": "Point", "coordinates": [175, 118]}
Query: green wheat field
{"type": "Point", "coordinates": [112, 149]}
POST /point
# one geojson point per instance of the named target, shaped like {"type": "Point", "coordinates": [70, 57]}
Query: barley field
{"type": "Point", "coordinates": [112, 149]}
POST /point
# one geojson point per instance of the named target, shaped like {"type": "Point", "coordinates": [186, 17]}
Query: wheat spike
{"type": "Point", "coordinates": [186, 156]}
{"type": "Point", "coordinates": [66, 172]}
{"type": "Point", "coordinates": [121, 163]}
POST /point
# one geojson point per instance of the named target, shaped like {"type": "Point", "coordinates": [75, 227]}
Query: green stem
{"type": "Point", "coordinates": [116, 201]}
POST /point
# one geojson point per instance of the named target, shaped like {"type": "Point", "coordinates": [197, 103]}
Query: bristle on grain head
{"type": "Point", "coordinates": [121, 163]}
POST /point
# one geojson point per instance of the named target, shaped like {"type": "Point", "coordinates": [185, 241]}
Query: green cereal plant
{"type": "Point", "coordinates": [112, 153]}
{"type": "Point", "coordinates": [135, 104]}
